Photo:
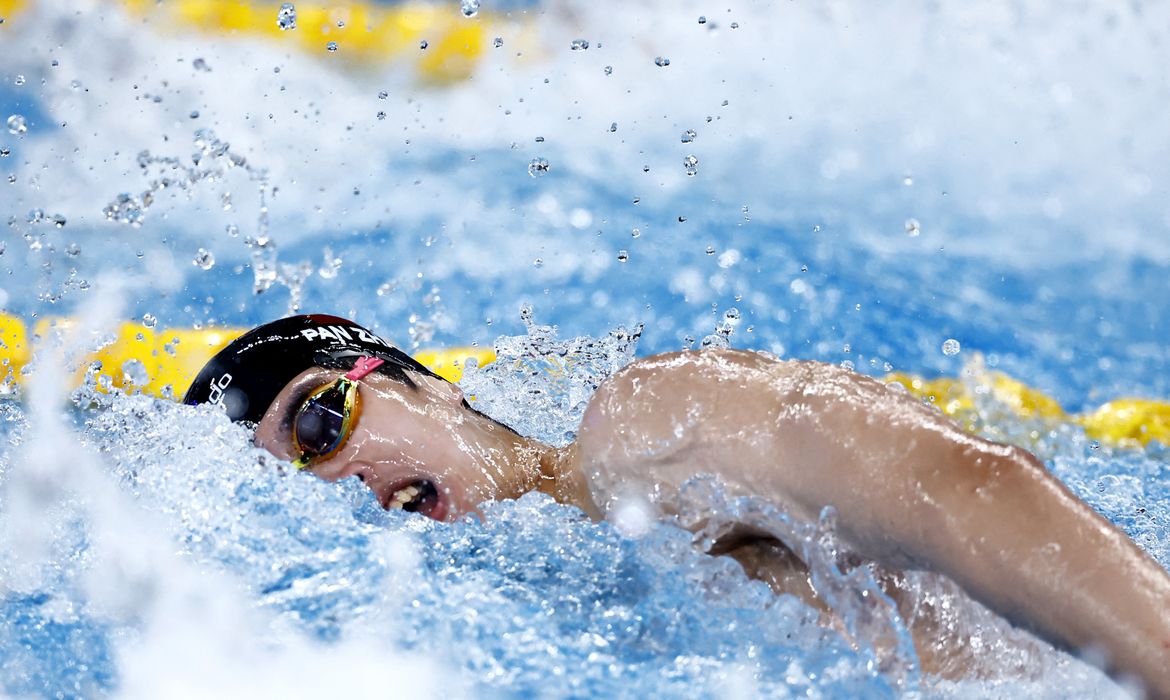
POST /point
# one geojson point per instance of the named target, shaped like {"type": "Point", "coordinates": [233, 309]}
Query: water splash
{"type": "Point", "coordinates": [540, 385]}
{"type": "Point", "coordinates": [212, 162]}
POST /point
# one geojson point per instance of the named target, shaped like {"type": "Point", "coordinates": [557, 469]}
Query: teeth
{"type": "Point", "coordinates": [403, 496]}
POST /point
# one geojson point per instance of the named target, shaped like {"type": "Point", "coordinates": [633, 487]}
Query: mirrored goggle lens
{"type": "Point", "coordinates": [323, 421]}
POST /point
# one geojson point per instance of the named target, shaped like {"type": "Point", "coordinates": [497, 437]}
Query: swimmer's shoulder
{"type": "Point", "coordinates": [659, 388]}
{"type": "Point", "coordinates": [658, 399]}
{"type": "Point", "coordinates": [685, 371]}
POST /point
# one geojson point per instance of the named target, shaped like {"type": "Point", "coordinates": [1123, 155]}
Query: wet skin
{"type": "Point", "coordinates": [405, 435]}
{"type": "Point", "coordinates": [912, 489]}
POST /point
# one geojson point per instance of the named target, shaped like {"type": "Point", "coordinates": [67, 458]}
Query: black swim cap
{"type": "Point", "coordinates": [246, 376]}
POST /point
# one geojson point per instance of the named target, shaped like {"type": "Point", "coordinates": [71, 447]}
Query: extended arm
{"type": "Point", "coordinates": [911, 488]}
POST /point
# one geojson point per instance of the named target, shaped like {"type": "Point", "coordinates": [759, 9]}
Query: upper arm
{"type": "Point", "coordinates": [637, 415]}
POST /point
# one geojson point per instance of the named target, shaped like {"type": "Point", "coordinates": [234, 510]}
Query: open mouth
{"type": "Point", "coordinates": [419, 496]}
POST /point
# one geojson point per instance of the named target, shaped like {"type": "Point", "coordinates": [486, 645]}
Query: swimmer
{"type": "Point", "coordinates": [912, 489]}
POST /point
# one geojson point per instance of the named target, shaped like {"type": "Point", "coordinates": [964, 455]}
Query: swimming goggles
{"type": "Point", "coordinates": [326, 417]}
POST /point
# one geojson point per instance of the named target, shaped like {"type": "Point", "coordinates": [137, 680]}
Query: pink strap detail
{"type": "Point", "coordinates": [364, 366]}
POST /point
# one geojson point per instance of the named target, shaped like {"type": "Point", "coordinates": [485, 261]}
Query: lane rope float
{"type": "Point", "coordinates": [162, 363]}
{"type": "Point", "coordinates": [366, 33]}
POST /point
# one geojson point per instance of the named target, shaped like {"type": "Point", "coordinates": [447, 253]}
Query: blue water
{"type": "Point", "coordinates": [1014, 139]}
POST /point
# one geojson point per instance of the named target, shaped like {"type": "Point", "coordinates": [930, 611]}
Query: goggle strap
{"type": "Point", "coordinates": [363, 367]}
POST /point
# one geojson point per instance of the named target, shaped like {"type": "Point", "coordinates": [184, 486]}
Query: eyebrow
{"type": "Point", "coordinates": [293, 403]}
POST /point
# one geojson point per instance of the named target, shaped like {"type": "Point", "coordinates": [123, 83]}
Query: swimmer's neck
{"type": "Point", "coordinates": [561, 477]}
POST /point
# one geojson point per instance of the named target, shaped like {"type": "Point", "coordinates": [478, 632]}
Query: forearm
{"type": "Point", "coordinates": [912, 488]}
{"type": "Point", "coordinates": [1018, 540]}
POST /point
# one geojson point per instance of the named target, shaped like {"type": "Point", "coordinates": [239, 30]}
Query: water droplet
{"type": "Point", "coordinates": [149, 320]}
{"type": "Point", "coordinates": [134, 372]}
{"type": "Point", "coordinates": [423, 44]}
{"type": "Point", "coordinates": [73, 250]}
{"type": "Point", "coordinates": [204, 259]}
{"type": "Point", "coordinates": [702, 19]}
{"type": "Point", "coordinates": [36, 216]}
{"type": "Point", "coordinates": [635, 233]}
{"type": "Point", "coordinates": [19, 80]}
{"type": "Point", "coordinates": [612, 127]}
{"type": "Point", "coordinates": [383, 95]}
{"type": "Point", "coordinates": [908, 181]}
{"type": "Point", "coordinates": [470, 8]}
{"type": "Point", "coordinates": [688, 135]}
{"type": "Point", "coordinates": [538, 167]}
{"type": "Point", "coordinates": [609, 70]}
{"type": "Point", "coordinates": [691, 163]}
{"type": "Point", "coordinates": [286, 18]}
{"type": "Point", "coordinates": [331, 46]}
{"type": "Point", "coordinates": [623, 255]}
{"type": "Point", "coordinates": [59, 220]}
{"type": "Point", "coordinates": [4, 152]}
{"type": "Point", "coordinates": [539, 139]}
{"type": "Point", "coordinates": [661, 61]}
{"type": "Point", "coordinates": [538, 262]}
{"type": "Point", "coordinates": [330, 265]}
{"type": "Point", "coordinates": [232, 230]}
{"type": "Point", "coordinates": [710, 250]}
{"type": "Point", "coordinates": [341, 24]}
{"type": "Point", "coordinates": [498, 42]}
{"type": "Point", "coordinates": [381, 115]}
{"type": "Point", "coordinates": [735, 25]}
{"type": "Point", "coordinates": [732, 315]}
{"type": "Point", "coordinates": [579, 44]}
{"type": "Point", "coordinates": [194, 114]}
{"type": "Point", "coordinates": [201, 65]}
{"type": "Point", "coordinates": [17, 125]}
{"type": "Point", "coordinates": [1094, 445]}
{"type": "Point", "coordinates": [951, 347]}
{"type": "Point", "coordinates": [913, 228]}
{"type": "Point", "coordinates": [715, 340]}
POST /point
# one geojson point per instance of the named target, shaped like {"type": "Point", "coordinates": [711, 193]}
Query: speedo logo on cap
{"type": "Point", "coordinates": [215, 391]}
{"type": "Point", "coordinates": [342, 334]}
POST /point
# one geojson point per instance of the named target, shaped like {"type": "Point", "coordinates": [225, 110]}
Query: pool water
{"type": "Point", "coordinates": [837, 182]}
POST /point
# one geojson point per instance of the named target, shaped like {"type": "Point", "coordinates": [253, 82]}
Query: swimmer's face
{"type": "Point", "coordinates": [418, 448]}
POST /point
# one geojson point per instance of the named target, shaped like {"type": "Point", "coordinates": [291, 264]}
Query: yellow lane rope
{"type": "Point", "coordinates": [1125, 422]}
{"type": "Point", "coordinates": [163, 362]}
{"type": "Point", "coordinates": [364, 32]}
{"type": "Point", "coordinates": [158, 362]}
{"type": "Point", "coordinates": [8, 9]}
